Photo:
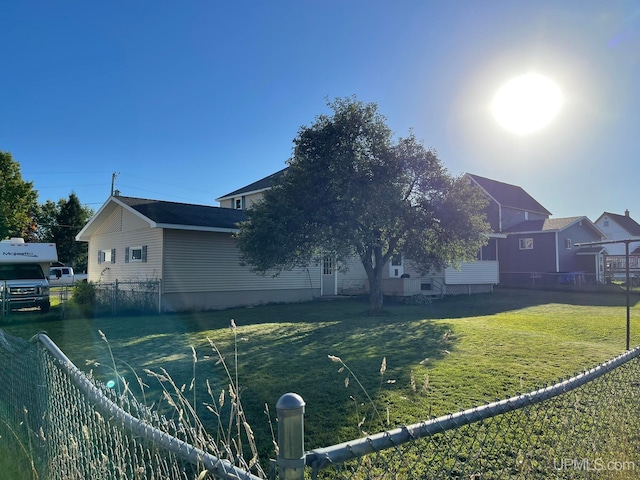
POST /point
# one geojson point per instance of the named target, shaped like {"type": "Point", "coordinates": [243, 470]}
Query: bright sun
{"type": "Point", "coordinates": [527, 103]}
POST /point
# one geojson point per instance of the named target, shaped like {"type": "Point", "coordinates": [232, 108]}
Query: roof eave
{"type": "Point", "coordinates": [235, 194]}
{"type": "Point", "coordinates": [87, 231]}
{"type": "Point", "coordinates": [197, 228]}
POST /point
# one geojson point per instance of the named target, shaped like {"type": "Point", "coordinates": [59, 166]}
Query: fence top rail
{"type": "Point", "coordinates": [220, 467]}
{"type": "Point", "coordinates": [325, 457]}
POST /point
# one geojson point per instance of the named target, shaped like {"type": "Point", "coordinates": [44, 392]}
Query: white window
{"type": "Point", "coordinates": [238, 203]}
{"type": "Point", "coordinates": [135, 254]}
{"type": "Point", "coordinates": [107, 256]}
{"type": "Point", "coordinates": [526, 243]}
{"type": "Point", "coordinates": [567, 243]}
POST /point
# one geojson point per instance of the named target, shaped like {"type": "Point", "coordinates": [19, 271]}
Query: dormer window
{"type": "Point", "coordinates": [239, 203]}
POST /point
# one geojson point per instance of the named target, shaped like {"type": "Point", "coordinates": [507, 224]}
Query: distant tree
{"type": "Point", "coordinates": [46, 219]}
{"type": "Point", "coordinates": [18, 200]}
{"type": "Point", "coordinates": [59, 223]}
{"type": "Point", "coordinates": [350, 189]}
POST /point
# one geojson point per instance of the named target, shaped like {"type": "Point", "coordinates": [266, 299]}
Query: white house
{"type": "Point", "coordinates": [401, 278]}
{"type": "Point", "coordinates": [620, 227]}
{"type": "Point", "coordinates": [190, 249]}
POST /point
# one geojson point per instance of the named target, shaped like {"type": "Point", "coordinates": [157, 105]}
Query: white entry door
{"type": "Point", "coordinates": [329, 279]}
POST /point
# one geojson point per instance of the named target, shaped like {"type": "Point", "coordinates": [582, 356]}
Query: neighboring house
{"type": "Point", "coordinates": [620, 227]}
{"type": "Point", "coordinates": [533, 244]}
{"type": "Point", "coordinates": [190, 249]}
{"type": "Point", "coordinates": [508, 204]}
{"type": "Point", "coordinates": [549, 247]}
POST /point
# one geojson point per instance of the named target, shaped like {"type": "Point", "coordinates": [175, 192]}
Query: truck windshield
{"type": "Point", "coordinates": [20, 272]}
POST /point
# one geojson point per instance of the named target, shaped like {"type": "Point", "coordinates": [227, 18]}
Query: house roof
{"type": "Point", "coordinates": [259, 186]}
{"type": "Point", "coordinates": [625, 221]}
{"type": "Point", "coordinates": [591, 250]}
{"type": "Point", "coordinates": [509, 195]}
{"type": "Point", "coordinates": [162, 214]}
{"type": "Point", "coordinates": [550, 225]}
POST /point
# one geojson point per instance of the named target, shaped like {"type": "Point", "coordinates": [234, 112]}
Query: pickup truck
{"type": "Point", "coordinates": [61, 276]}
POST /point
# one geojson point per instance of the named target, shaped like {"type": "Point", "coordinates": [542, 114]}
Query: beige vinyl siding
{"type": "Point", "coordinates": [210, 261]}
{"type": "Point", "coordinates": [485, 272]}
{"type": "Point", "coordinates": [122, 230]}
{"type": "Point", "coordinates": [249, 200]}
{"type": "Point", "coordinates": [352, 276]}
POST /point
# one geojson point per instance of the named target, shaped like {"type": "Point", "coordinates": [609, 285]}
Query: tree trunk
{"type": "Point", "coordinates": [375, 294]}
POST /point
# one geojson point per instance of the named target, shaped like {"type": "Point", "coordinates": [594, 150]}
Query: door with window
{"type": "Point", "coordinates": [329, 276]}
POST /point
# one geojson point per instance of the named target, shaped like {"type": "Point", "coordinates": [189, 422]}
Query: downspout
{"type": "Point", "coordinates": [557, 254]}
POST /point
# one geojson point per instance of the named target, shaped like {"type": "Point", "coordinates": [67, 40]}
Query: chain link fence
{"type": "Point", "coordinates": [587, 426]}
{"type": "Point", "coordinates": [57, 423]}
{"type": "Point", "coordinates": [579, 281]}
{"type": "Point", "coordinates": [128, 296]}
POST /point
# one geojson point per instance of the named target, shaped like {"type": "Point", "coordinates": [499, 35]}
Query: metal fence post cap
{"type": "Point", "coordinates": [290, 401]}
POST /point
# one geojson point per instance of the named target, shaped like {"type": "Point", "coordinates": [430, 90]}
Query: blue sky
{"type": "Point", "coordinates": [188, 101]}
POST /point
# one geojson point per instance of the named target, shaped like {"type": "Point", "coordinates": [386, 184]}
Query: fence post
{"type": "Point", "coordinates": [5, 308]}
{"type": "Point", "coordinates": [114, 305]}
{"type": "Point", "coordinates": [290, 409]}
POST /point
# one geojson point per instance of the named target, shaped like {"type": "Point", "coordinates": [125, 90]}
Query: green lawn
{"type": "Point", "coordinates": [452, 354]}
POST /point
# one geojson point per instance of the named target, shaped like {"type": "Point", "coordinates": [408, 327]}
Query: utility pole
{"type": "Point", "coordinates": [113, 181]}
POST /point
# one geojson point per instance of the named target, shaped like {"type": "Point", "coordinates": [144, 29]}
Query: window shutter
{"type": "Point", "coordinates": [113, 255]}
{"type": "Point", "coordinates": [99, 257]}
{"type": "Point", "coordinates": [126, 255]}
{"type": "Point", "coordinates": [144, 253]}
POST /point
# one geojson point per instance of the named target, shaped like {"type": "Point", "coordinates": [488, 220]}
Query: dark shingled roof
{"type": "Point", "coordinates": [261, 184]}
{"type": "Point", "coordinates": [626, 222]}
{"type": "Point", "coordinates": [509, 195]}
{"type": "Point", "coordinates": [546, 225]}
{"type": "Point", "coordinates": [172, 213]}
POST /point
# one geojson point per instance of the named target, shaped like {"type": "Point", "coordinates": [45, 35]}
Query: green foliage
{"type": "Point", "coordinates": [350, 190]}
{"type": "Point", "coordinates": [84, 293]}
{"type": "Point", "coordinates": [59, 223]}
{"type": "Point", "coordinates": [18, 200]}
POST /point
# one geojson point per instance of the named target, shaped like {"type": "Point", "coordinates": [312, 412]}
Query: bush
{"type": "Point", "coordinates": [84, 293]}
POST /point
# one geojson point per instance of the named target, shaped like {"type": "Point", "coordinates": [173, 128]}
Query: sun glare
{"type": "Point", "coordinates": [527, 103]}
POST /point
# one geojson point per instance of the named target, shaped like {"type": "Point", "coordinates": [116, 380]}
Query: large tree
{"type": "Point", "coordinates": [18, 200]}
{"type": "Point", "coordinates": [351, 190]}
{"type": "Point", "coordinates": [59, 223]}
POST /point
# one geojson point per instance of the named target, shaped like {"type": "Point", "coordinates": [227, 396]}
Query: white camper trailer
{"type": "Point", "coordinates": [23, 274]}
